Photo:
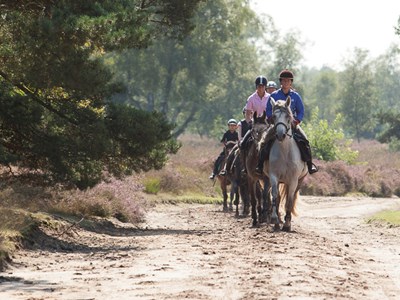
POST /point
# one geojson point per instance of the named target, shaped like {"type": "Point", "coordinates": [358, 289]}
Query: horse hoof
{"type": "Point", "coordinates": [274, 221]}
{"type": "Point", "coordinates": [277, 228]}
{"type": "Point", "coordinates": [225, 209]}
{"type": "Point", "coordinates": [286, 229]}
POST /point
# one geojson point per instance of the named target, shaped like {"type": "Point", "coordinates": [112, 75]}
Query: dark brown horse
{"type": "Point", "coordinates": [239, 181]}
{"type": "Point", "coordinates": [259, 199]}
{"type": "Point", "coordinates": [225, 181]}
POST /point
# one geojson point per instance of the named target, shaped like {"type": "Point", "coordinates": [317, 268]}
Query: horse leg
{"type": "Point", "coordinates": [288, 222]}
{"type": "Point", "coordinates": [259, 196]}
{"type": "Point", "coordinates": [225, 195]}
{"type": "Point", "coordinates": [232, 195]}
{"type": "Point", "coordinates": [289, 207]}
{"type": "Point", "coordinates": [237, 201]}
{"type": "Point", "coordinates": [244, 195]}
{"type": "Point", "coordinates": [253, 203]}
{"type": "Point", "coordinates": [266, 201]}
{"type": "Point", "coordinates": [275, 203]}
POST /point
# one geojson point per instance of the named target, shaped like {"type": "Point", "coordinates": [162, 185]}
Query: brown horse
{"type": "Point", "coordinates": [225, 181]}
{"type": "Point", "coordinates": [239, 181]}
{"type": "Point", "coordinates": [257, 185]}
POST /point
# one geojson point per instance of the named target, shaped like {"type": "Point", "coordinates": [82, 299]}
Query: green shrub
{"type": "Point", "coordinates": [151, 185]}
{"type": "Point", "coordinates": [394, 144]}
{"type": "Point", "coordinates": [328, 141]}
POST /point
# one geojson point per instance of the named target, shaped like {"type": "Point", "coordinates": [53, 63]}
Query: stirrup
{"type": "Point", "coordinates": [222, 173]}
{"type": "Point", "coordinates": [259, 171]}
{"type": "Point", "coordinates": [212, 176]}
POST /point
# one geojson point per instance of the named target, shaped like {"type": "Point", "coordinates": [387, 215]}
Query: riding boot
{"type": "Point", "coordinates": [216, 166]}
{"type": "Point", "coordinates": [305, 150]}
{"type": "Point", "coordinates": [243, 155]}
{"type": "Point", "coordinates": [228, 164]}
{"type": "Point", "coordinates": [243, 142]}
{"type": "Point", "coordinates": [312, 168]}
{"type": "Point", "coordinates": [261, 158]}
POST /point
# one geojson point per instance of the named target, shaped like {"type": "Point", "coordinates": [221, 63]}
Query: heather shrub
{"type": "Point", "coordinates": [341, 178]}
{"type": "Point", "coordinates": [115, 198]}
{"type": "Point", "coordinates": [15, 194]}
{"type": "Point", "coordinates": [318, 186]}
{"type": "Point", "coordinates": [332, 179]}
{"type": "Point", "coordinates": [373, 172]}
{"type": "Point", "coordinates": [187, 171]}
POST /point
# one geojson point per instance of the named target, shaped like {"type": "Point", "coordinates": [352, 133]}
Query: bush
{"type": "Point", "coordinates": [151, 185]}
{"type": "Point", "coordinates": [116, 198]}
{"type": "Point", "coordinates": [328, 141]}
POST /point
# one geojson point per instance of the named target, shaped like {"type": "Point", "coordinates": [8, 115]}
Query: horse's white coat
{"type": "Point", "coordinates": [284, 165]}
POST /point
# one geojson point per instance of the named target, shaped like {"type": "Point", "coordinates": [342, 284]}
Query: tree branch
{"type": "Point", "coordinates": [34, 97]}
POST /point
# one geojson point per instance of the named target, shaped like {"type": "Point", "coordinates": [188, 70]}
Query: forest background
{"type": "Point", "coordinates": [94, 93]}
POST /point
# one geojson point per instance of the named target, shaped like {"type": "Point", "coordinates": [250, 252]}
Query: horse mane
{"type": "Point", "coordinates": [260, 120]}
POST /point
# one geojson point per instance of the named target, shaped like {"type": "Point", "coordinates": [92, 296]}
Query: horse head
{"type": "Point", "coordinates": [282, 117]}
{"type": "Point", "coordinates": [259, 126]}
{"type": "Point", "coordinates": [229, 146]}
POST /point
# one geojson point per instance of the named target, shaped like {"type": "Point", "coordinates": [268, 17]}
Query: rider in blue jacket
{"type": "Point", "coordinates": [297, 107]}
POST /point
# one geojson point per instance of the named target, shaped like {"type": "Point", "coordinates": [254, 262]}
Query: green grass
{"type": "Point", "coordinates": [391, 217]}
{"type": "Point", "coordinates": [185, 198]}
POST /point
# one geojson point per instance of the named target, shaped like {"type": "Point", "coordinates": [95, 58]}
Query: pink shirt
{"type": "Point", "coordinates": [255, 103]}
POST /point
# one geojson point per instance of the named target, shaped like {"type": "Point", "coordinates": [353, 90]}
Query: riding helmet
{"type": "Point", "coordinates": [286, 74]}
{"type": "Point", "coordinates": [271, 84]}
{"type": "Point", "coordinates": [232, 121]}
{"type": "Point", "coordinates": [261, 80]}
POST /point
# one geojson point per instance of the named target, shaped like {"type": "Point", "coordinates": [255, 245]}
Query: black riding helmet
{"type": "Point", "coordinates": [261, 80]}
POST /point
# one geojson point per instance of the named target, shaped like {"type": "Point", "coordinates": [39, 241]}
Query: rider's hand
{"type": "Point", "coordinates": [295, 122]}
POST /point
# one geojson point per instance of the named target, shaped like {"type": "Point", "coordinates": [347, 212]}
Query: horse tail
{"type": "Point", "coordinates": [295, 197]}
{"type": "Point", "coordinates": [283, 193]}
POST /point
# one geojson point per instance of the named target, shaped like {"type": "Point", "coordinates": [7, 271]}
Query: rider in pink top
{"type": "Point", "coordinates": [258, 100]}
{"type": "Point", "coordinates": [257, 103]}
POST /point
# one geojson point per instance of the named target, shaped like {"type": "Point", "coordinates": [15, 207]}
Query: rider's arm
{"type": "Point", "coordinates": [239, 130]}
{"type": "Point", "coordinates": [299, 108]}
{"type": "Point", "coordinates": [268, 111]}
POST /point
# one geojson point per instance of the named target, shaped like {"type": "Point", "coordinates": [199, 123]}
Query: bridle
{"type": "Point", "coordinates": [287, 125]}
{"type": "Point", "coordinates": [256, 134]}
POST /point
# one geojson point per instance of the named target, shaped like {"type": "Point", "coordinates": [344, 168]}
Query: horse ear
{"type": "Point", "coordinates": [288, 101]}
{"type": "Point", "coordinates": [272, 100]}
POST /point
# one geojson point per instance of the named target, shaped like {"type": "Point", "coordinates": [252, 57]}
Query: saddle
{"type": "Point", "coordinates": [301, 141]}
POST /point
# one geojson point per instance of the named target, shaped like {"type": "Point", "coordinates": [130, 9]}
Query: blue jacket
{"type": "Point", "coordinates": [296, 105]}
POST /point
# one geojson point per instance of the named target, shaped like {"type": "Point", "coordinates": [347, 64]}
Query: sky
{"type": "Point", "coordinates": [333, 28]}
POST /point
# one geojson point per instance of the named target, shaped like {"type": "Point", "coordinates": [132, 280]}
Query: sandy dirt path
{"type": "Point", "coordinates": [199, 252]}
